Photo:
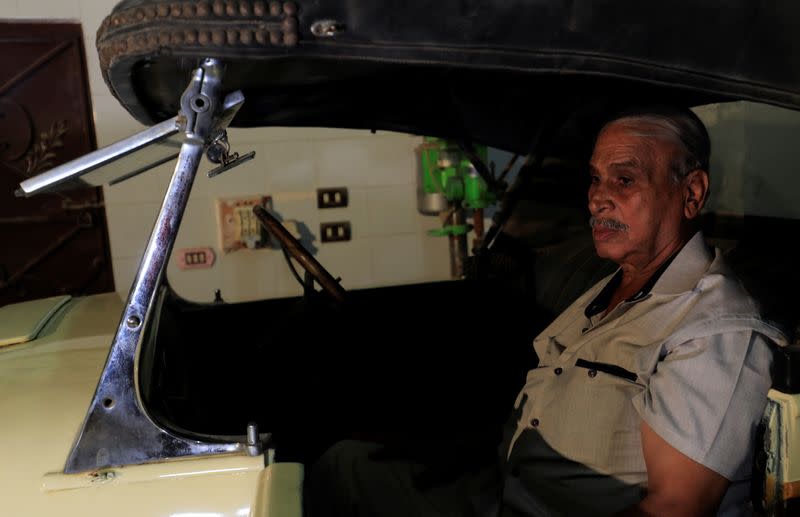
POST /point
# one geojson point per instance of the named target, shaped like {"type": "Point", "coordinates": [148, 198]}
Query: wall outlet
{"type": "Point", "coordinates": [332, 197]}
{"type": "Point", "coordinates": [335, 232]}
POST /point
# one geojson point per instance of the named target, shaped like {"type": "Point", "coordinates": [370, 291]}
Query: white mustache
{"type": "Point", "coordinates": [611, 224]}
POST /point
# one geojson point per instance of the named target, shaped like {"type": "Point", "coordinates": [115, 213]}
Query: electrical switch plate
{"type": "Point", "coordinates": [238, 226]}
{"type": "Point", "coordinates": [332, 197]}
{"type": "Point", "coordinates": [334, 232]}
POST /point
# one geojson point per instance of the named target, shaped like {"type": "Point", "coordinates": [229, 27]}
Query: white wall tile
{"type": "Point", "coordinates": [394, 161]}
{"type": "Point", "coordinates": [300, 207]}
{"type": "Point", "coordinates": [397, 259]}
{"type": "Point", "coordinates": [124, 272]}
{"type": "Point", "coordinates": [285, 285]}
{"type": "Point", "coordinates": [96, 84]}
{"type": "Point", "coordinates": [240, 136]}
{"type": "Point", "coordinates": [199, 226]}
{"type": "Point", "coordinates": [296, 204]}
{"type": "Point", "coordinates": [289, 166]}
{"type": "Point", "coordinates": [436, 257]}
{"type": "Point", "coordinates": [148, 186]}
{"type": "Point", "coordinates": [249, 274]}
{"type": "Point", "coordinates": [244, 180]}
{"type": "Point", "coordinates": [342, 163]}
{"type": "Point", "coordinates": [326, 133]}
{"type": "Point", "coordinates": [9, 9]}
{"type": "Point", "coordinates": [204, 186]}
{"type": "Point", "coordinates": [112, 122]}
{"type": "Point", "coordinates": [92, 14]}
{"type": "Point", "coordinates": [402, 259]}
{"type": "Point", "coordinates": [62, 9]}
{"type": "Point", "coordinates": [362, 162]}
{"type": "Point", "coordinates": [129, 226]}
{"type": "Point", "coordinates": [392, 210]}
{"type": "Point", "coordinates": [351, 261]}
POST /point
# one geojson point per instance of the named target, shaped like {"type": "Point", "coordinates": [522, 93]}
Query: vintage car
{"type": "Point", "coordinates": [156, 405]}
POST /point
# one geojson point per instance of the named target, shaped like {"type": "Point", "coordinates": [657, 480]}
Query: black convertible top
{"type": "Point", "coordinates": [489, 72]}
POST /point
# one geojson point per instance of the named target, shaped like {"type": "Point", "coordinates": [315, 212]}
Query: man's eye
{"type": "Point", "coordinates": [595, 179]}
{"type": "Point", "coordinates": [625, 180]}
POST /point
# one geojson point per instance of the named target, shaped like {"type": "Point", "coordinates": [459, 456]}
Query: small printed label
{"type": "Point", "coordinates": [196, 258]}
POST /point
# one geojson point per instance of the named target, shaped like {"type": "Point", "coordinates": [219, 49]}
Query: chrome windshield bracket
{"type": "Point", "coordinates": [219, 151]}
{"type": "Point", "coordinates": [117, 429]}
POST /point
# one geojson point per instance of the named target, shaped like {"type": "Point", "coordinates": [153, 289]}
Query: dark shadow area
{"type": "Point", "coordinates": [366, 478]}
{"type": "Point", "coordinates": [436, 363]}
{"type": "Point", "coordinates": [767, 269]}
{"type": "Point", "coordinates": [388, 364]}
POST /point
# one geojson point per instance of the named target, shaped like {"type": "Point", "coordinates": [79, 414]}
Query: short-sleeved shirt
{"type": "Point", "coordinates": [688, 354]}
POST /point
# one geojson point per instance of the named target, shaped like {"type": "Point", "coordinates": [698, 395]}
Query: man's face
{"type": "Point", "coordinates": [632, 190]}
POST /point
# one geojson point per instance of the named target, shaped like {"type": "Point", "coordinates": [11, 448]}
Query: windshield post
{"type": "Point", "coordinates": [117, 430]}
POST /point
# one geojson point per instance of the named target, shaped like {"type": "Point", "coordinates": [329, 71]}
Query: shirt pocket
{"type": "Point", "coordinates": [593, 367]}
{"type": "Point", "coordinates": [597, 423]}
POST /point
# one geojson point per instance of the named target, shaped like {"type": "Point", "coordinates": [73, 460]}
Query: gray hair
{"type": "Point", "coordinates": [677, 125]}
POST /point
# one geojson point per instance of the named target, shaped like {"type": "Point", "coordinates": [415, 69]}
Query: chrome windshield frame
{"type": "Point", "coordinates": [117, 429]}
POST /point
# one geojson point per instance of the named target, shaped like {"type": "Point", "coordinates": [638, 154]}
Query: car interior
{"type": "Point", "coordinates": [429, 369]}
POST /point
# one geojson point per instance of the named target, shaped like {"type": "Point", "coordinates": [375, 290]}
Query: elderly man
{"type": "Point", "coordinates": [649, 386]}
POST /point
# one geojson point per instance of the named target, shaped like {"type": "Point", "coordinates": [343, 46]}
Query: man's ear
{"type": "Point", "coordinates": [695, 193]}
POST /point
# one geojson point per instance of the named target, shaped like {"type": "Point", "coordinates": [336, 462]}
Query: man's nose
{"type": "Point", "coordinates": [599, 200]}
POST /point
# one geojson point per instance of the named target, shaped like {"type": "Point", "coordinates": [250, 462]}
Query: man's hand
{"type": "Point", "coordinates": [677, 485]}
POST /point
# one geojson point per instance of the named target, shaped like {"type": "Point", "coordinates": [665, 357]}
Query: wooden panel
{"type": "Point", "coordinates": [52, 243]}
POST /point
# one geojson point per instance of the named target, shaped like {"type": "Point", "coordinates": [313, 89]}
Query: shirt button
{"type": "Point", "coordinates": [535, 422]}
{"type": "Point", "coordinates": [592, 373]}
{"type": "Point", "coordinates": [559, 371]}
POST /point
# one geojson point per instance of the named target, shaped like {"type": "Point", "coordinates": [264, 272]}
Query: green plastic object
{"type": "Point", "coordinates": [476, 192]}
{"type": "Point", "coordinates": [445, 169]}
{"type": "Point", "coordinates": [453, 184]}
{"type": "Point", "coordinates": [429, 157]}
{"type": "Point", "coordinates": [453, 229]}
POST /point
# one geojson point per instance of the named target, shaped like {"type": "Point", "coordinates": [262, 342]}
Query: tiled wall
{"type": "Point", "coordinates": [753, 163]}
{"type": "Point", "coordinates": [389, 243]}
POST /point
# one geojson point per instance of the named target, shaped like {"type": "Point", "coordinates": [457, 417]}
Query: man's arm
{"type": "Point", "coordinates": [677, 485]}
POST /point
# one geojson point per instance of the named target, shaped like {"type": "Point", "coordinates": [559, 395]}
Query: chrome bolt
{"type": "Point", "coordinates": [133, 322]}
{"type": "Point", "coordinates": [252, 433]}
{"type": "Point", "coordinates": [326, 28]}
{"type": "Point", "coordinates": [253, 444]}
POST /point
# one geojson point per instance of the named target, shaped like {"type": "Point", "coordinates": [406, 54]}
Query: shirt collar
{"type": "Point", "coordinates": [677, 274]}
{"type": "Point", "coordinates": [689, 265]}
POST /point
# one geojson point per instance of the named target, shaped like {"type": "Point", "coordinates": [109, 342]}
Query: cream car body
{"type": "Point", "coordinates": [49, 368]}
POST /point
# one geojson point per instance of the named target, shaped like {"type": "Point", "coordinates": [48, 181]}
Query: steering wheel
{"type": "Point", "coordinates": [300, 254]}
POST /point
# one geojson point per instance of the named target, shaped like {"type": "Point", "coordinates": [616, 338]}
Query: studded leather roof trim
{"type": "Point", "coordinates": [148, 28]}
